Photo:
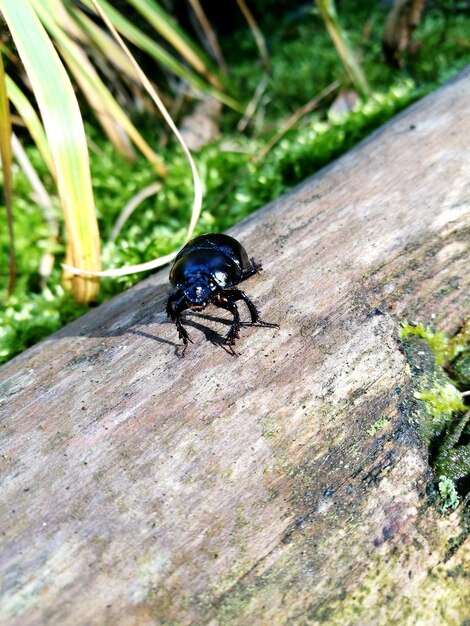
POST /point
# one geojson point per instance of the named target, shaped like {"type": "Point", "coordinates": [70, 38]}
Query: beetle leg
{"type": "Point", "coordinates": [236, 294]}
{"type": "Point", "coordinates": [173, 297]}
{"type": "Point", "coordinates": [225, 302]}
{"type": "Point", "coordinates": [174, 307]}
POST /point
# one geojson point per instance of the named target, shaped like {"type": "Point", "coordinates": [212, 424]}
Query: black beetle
{"type": "Point", "coordinates": [204, 272]}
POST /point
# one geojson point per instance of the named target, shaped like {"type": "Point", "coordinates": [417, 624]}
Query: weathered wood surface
{"type": "Point", "coordinates": [141, 488]}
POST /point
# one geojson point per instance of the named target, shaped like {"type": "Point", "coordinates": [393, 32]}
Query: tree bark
{"type": "Point", "coordinates": [142, 488]}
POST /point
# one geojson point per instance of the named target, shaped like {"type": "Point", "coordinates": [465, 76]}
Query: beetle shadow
{"type": "Point", "coordinates": [142, 307]}
{"type": "Point", "coordinates": [215, 337]}
{"type": "Point", "coordinates": [193, 320]}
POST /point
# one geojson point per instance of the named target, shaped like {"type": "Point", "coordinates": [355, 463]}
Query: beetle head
{"type": "Point", "coordinates": [198, 292]}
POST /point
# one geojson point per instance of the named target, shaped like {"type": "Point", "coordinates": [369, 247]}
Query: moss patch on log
{"type": "Point", "coordinates": [437, 598]}
{"type": "Point", "coordinates": [438, 368]}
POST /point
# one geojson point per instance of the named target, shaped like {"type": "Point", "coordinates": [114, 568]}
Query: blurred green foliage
{"type": "Point", "coordinates": [303, 61]}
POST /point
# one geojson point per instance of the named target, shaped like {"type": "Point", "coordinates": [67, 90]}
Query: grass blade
{"type": "Point", "coordinates": [6, 155]}
{"type": "Point", "coordinates": [329, 15]}
{"type": "Point", "coordinates": [44, 201]}
{"type": "Point", "coordinates": [39, 193]}
{"type": "Point", "coordinates": [66, 136]}
{"type": "Point", "coordinates": [169, 30]}
{"type": "Point", "coordinates": [294, 118]}
{"type": "Point", "coordinates": [197, 202]}
{"type": "Point", "coordinates": [105, 44]}
{"type": "Point", "coordinates": [159, 54]}
{"type": "Point", "coordinates": [32, 122]}
{"type": "Point", "coordinates": [257, 34]}
{"type": "Point", "coordinates": [209, 34]}
{"type": "Point", "coordinates": [106, 108]}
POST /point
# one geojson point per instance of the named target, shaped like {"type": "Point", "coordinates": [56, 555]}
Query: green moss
{"type": "Point", "coordinates": [375, 598]}
{"type": "Point", "coordinates": [448, 495]}
{"type": "Point", "coordinates": [442, 401]}
{"type": "Point", "coordinates": [442, 415]}
{"type": "Point", "coordinates": [462, 369]}
{"type": "Point", "coordinates": [436, 339]}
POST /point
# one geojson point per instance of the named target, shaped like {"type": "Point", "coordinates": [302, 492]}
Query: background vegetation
{"type": "Point", "coordinates": [281, 53]}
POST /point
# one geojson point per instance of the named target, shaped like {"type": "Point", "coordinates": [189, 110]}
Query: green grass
{"type": "Point", "coordinates": [304, 61]}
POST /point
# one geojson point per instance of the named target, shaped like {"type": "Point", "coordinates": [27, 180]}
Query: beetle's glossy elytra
{"type": "Point", "coordinates": [205, 272]}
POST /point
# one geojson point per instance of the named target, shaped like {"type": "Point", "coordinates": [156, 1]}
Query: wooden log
{"type": "Point", "coordinates": [142, 488]}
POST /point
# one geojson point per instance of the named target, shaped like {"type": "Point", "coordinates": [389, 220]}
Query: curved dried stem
{"type": "Point", "coordinates": [131, 206]}
{"type": "Point", "coordinates": [294, 118]}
